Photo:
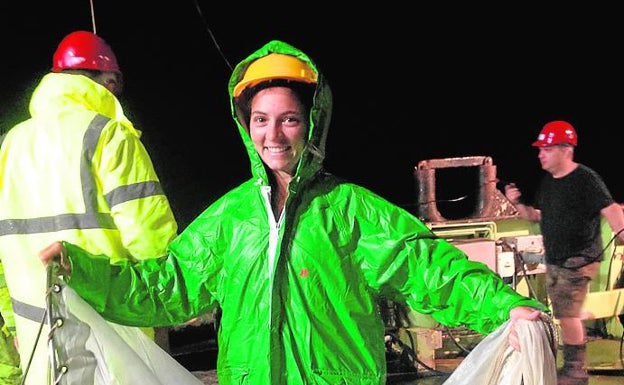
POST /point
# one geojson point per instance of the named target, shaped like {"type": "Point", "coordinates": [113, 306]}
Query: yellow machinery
{"type": "Point", "coordinates": [491, 231]}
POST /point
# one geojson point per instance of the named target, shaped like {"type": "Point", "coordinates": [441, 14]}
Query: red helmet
{"type": "Point", "coordinates": [556, 132]}
{"type": "Point", "coordinates": [84, 50]}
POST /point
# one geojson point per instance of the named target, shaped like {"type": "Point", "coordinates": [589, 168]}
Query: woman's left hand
{"type": "Point", "coordinates": [517, 313]}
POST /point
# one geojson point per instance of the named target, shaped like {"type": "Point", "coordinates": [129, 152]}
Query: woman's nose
{"type": "Point", "coordinates": [273, 130]}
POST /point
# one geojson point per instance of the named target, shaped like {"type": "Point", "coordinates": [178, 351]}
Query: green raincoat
{"type": "Point", "coordinates": [299, 294]}
{"type": "Point", "coordinates": [10, 370]}
{"type": "Point", "coordinates": [76, 170]}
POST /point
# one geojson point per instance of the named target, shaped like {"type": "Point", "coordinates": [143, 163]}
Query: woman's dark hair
{"type": "Point", "coordinates": [304, 92]}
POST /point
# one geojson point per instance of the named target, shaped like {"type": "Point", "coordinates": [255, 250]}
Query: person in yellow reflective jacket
{"type": "Point", "coordinates": [77, 170]}
{"type": "Point", "coordinates": [296, 258]}
{"type": "Point", "coordinates": [10, 370]}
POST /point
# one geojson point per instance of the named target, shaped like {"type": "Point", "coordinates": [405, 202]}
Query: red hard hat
{"type": "Point", "coordinates": [556, 132]}
{"type": "Point", "coordinates": [84, 50]}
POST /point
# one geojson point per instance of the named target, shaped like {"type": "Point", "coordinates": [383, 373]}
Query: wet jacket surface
{"type": "Point", "coordinates": [299, 296]}
{"type": "Point", "coordinates": [76, 170]}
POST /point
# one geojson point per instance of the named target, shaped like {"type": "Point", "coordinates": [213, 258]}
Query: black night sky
{"type": "Point", "coordinates": [410, 83]}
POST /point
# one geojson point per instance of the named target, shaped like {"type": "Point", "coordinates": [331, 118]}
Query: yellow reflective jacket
{"type": "Point", "coordinates": [75, 170]}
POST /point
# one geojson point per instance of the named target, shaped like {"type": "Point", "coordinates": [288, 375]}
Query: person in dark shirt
{"type": "Point", "coordinates": [569, 204]}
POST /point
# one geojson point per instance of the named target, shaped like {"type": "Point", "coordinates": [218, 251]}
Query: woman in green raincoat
{"type": "Point", "coordinates": [296, 257]}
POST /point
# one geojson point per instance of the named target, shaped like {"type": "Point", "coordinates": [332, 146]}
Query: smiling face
{"type": "Point", "coordinates": [278, 127]}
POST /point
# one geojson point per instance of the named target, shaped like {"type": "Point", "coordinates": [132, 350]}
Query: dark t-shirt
{"type": "Point", "coordinates": [570, 207]}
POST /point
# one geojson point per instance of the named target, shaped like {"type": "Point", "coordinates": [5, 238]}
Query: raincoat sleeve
{"type": "Point", "coordinates": [457, 291]}
{"type": "Point", "coordinates": [410, 264]}
{"type": "Point", "coordinates": [153, 292]}
{"type": "Point", "coordinates": [133, 192]}
{"type": "Point", "coordinates": [6, 309]}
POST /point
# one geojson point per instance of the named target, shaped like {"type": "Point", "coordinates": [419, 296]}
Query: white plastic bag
{"type": "Point", "coordinates": [97, 352]}
{"type": "Point", "coordinates": [494, 362]}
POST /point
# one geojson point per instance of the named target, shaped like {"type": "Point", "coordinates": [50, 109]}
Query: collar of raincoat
{"type": "Point", "coordinates": [57, 92]}
{"type": "Point", "coordinates": [311, 161]}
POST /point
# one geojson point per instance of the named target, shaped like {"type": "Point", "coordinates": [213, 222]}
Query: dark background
{"type": "Point", "coordinates": [410, 82]}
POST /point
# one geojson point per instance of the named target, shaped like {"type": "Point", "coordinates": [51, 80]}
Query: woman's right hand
{"type": "Point", "coordinates": [55, 250]}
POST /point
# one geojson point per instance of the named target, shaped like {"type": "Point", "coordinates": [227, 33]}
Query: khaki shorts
{"type": "Point", "coordinates": [568, 288]}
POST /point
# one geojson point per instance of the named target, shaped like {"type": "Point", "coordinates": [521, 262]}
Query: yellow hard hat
{"type": "Point", "coordinates": [275, 66]}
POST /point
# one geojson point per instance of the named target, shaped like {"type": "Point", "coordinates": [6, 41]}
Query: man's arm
{"type": "Point", "coordinates": [615, 217]}
{"type": "Point", "coordinates": [527, 212]}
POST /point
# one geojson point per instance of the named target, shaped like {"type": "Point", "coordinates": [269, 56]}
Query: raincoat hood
{"type": "Point", "coordinates": [312, 158]}
{"type": "Point", "coordinates": [60, 91]}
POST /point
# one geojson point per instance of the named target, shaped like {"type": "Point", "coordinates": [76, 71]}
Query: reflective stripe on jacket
{"type": "Point", "coordinates": [75, 170]}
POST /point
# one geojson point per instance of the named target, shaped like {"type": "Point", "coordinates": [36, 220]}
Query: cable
{"type": "Point", "coordinates": [622, 350]}
{"type": "Point", "coordinates": [408, 353]}
{"type": "Point", "coordinates": [212, 37]}
{"type": "Point", "coordinates": [452, 338]}
{"type": "Point", "coordinates": [619, 284]}
{"type": "Point", "coordinates": [32, 354]}
{"type": "Point", "coordinates": [603, 328]}
{"type": "Point", "coordinates": [93, 16]}
{"type": "Point", "coordinates": [610, 241]}
{"type": "Point", "coordinates": [520, 258]}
